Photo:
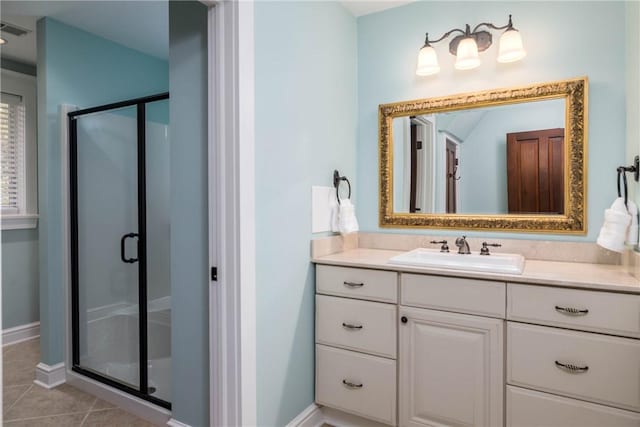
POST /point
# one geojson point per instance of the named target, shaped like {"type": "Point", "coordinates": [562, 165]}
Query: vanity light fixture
{"type": "Point", "coordinates": [3, 41]}
{"type": "Point", "coordinates": [467, 45]}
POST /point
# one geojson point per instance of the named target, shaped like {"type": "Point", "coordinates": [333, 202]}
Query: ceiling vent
{"type": "Point", "coordinates": [7, 28]}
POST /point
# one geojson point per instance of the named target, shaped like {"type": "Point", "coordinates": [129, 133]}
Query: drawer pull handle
{"type": "Point", "coordinates": [351, 385]}
{"type": "Point", "coordinates": [353, 284]}
{"type": "Point", "coordinates": [572, 368]}
{"type": "Point", "coordinates": [351, 326]}
{"type": "Point", "coordinates": [572, 311]}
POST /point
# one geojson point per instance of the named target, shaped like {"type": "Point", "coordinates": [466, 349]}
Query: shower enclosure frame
{"type": "Point", "coordinates": [140, 104]}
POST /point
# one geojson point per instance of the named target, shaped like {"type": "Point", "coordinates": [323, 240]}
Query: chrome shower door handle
{"type": "Point", "coordinates": [123, 256]}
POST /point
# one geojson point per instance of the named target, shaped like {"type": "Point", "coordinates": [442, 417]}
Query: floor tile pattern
{"type": "Point", "coordinates": [28, 405]}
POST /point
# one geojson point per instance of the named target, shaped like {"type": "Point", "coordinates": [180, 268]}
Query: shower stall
{"type": "Point", "coordinates": [120, 252]}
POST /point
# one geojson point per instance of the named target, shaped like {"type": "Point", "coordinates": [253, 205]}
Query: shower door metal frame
{"type": "Point", "coordinates": [140, 104]}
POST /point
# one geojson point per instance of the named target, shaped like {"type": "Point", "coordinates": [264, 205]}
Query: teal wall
{"type": "Point", "coordinates": [305, 95]}
{"type": "Point", "coordinates": [561, 43]}
{"type": "Point", "coordinates": [19, 277]}
{"type": "Point", "coordinates": [189, 212]}
{"type": "Point", "coordinates": [78, 68]}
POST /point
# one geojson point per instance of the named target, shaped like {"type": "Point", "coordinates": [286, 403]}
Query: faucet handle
{"type": "Point", "coordinates": [485, 247]}
{"type": "Point", "coordinates": [444, 247]}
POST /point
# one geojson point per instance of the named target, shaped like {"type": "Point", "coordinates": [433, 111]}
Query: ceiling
{"type": "Point", "coordinates": [365, 7]}
{"type": "Point", "coordinates": [140, 25]}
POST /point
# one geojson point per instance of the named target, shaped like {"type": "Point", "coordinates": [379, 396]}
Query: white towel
{"type": "Point", "coordinates": [615, 229]}
{"type": "Point", "coordinates": [347, 221]}
{"type": "Point", "coordinates": [335, 215]}
{"type": "Point", "coordinates": [632, 233]}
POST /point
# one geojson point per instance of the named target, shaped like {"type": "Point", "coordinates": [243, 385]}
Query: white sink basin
{"type": "Point", "coordinates": [494, 263]}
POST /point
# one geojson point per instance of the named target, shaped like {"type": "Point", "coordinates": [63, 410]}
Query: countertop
{"type": "Point", "coordinates": [604, 277]}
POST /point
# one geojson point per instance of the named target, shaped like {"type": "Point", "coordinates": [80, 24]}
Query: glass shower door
{"type": "Point", "coordinates": [106, 244]}
{"type": "Point", "coordinates": [158, 209]}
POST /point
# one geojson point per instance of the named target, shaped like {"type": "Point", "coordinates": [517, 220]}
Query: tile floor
{"type": "Point", "coordinates": [28, 405]}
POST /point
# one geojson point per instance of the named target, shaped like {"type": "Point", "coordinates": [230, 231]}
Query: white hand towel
{"type": "Point", "coordinates": [335, 215]}
{"type": "Point", "coordinates": [615, 228]}
{"type": "Point", "coordinates": [347, 217]}
{"type": "Point", "coordinates": [632, 233]}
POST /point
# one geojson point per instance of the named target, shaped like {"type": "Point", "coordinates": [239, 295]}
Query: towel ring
{"type": "Point", "coordinates": [622, 171]}
{"type": "Point", "coordinates": [336, 183]}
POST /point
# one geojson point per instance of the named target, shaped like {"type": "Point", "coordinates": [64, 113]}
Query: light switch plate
{"type": "Point", "coordinates": [321, 206]}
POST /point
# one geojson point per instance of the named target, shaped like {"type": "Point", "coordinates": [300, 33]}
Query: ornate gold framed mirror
{"type": "Point", "coordinates": [503, 159]}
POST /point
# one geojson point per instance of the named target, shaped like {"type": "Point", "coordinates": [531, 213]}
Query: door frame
{"type": "Point", "coordinates": [427, 131]}
{"type": "Point", "coordinates": [232, 297]}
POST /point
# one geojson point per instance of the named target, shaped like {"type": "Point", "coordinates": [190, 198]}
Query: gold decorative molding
{"type": "Point", "coordinates": [574, 219]}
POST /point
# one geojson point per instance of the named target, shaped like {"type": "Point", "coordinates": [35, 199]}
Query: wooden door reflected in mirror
{"type": "Point", "coordinates": [535, 171]}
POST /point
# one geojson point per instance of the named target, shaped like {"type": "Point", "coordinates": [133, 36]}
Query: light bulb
{"type": "Point", "coordinates": [467, 54]}
{"type": "Point", "coordinates": [427, 62]}
{"type": "Point", "coordinates": [511, 49]}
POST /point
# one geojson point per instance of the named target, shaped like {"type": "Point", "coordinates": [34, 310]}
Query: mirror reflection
{"type": "Point", "coordinates": [505, 159]}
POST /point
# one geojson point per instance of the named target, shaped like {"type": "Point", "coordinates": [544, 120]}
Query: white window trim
{"type": "Point", "coordinates": [25, 86]}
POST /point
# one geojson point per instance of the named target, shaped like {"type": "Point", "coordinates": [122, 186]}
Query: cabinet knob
{"type": "Point", "coordinates": [404, 319]}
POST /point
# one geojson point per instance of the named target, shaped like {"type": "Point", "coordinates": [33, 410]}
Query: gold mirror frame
{"type": "Point", "coordinates": [574, 219]}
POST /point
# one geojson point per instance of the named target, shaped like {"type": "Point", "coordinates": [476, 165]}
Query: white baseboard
{"type": "Point", "coordinates": [20, 333]}
{"type": "Point", "coordinates": [312, 416]}
{"type": "Point", "coordinates": [50, 376]}
{"type": "Point", "coordinates": [175, 423]}
{"type": "Point", "coordinates": [315, 416]}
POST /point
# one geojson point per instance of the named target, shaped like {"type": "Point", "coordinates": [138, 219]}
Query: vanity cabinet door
{"type": "Point", "coordinates": [451, 369]}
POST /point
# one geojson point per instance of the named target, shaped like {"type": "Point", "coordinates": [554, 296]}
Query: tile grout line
{"type": "Point", "coordinates": [18, 399]}
{"type": "Point", "coordinates": [42, 416]}
{"type": "Point", "coordinates": [88, 412]}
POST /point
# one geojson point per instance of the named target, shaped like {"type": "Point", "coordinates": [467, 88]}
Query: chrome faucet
{"type": "Point", "coordinates": [463, 246]}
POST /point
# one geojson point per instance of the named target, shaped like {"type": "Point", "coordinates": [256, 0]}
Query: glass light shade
{"type": "Point", "coordinates": [511, 49]}
{"type": "Point", "coordinates": [3, 41]}
{"type": "Point", "coordinates": [427, 62]}
{"type": "Point", "coordinates": [467, 54]}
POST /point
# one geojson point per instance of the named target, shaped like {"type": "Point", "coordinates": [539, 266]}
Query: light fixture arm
{"type": "Point", "coordinates": [507, 27]}
{"type": "Point", "coordinates": [428, 42]}
{"type": "Point", "coordinates": [467, 31]}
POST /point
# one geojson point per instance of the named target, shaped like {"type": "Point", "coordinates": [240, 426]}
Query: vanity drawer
{"type": "Point", "coordinates": [357, 325]}
{"type": "Point", "coordinates": [616, 314]}
{"type": "Point", "coordinates": [375, 285]}
{"type": "Point", "coordinates": [357, 383]}
{"type": "Point", "coordinates": [528, 408]}
{"type": "Point", "coordinates": [606, 369]}
{"type": "Point", "coordinates": [471, 296]}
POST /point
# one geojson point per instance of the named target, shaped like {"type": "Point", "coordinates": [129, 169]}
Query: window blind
{"type": "Point", "coordinates": [12, 151]}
